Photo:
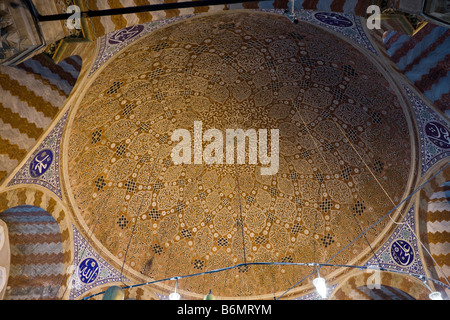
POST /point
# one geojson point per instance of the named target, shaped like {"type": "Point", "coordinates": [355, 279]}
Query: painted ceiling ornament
{"type": "Point", "coordinates": [88, 270]}
{"type": "Point", "coordinates": [333, 19]}
{"type": "Point", "coordinates": [235, 70]}
{"type": "Point", "coordinates": [438, 134]}
{"type": "Point", "coordinates": [41, 163]}
{"type": "Point", "coordinates": [402, 252]}
{"type": "Point", "coordinates": [126, 34]}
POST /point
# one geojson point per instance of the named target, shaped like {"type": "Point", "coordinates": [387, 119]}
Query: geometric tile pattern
{"type": "Point", "coordinates": [347, 24]}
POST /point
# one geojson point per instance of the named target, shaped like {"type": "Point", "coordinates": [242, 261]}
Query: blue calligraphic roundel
{"type": "Point", "coordinates": [438, 134]}
{"type": "Point", "coordinates": [333, 19]}
{"type": "Point", "coordinates": [41, 163]}
{"type": "Point", "coordinates": [402, 252]}
{"type": "Point", "coordinates": [88, 270]}
{"type": "Point", "coordinates": [126, 34]}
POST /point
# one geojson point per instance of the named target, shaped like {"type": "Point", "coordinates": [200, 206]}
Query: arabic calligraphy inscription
{"type": "Point", "coordinates": [402, 252]}
{"type": "Point", "coordinates": [88, 270]}
{"type": "Point", "coordinates": [41, 163]}
{"type": "Point", "coordinates": [438, 134]}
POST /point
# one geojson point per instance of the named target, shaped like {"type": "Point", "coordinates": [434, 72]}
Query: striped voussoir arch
{"type": "Point", "coordinates": [425, 60]}
{"type": "Point", "coordinates": [34, 210]}
{"type": "Point", "coordinates": [36, 254]}
{"type": "Point", "coordinates": [107, 24]}
{"type": "Point", "coordinates": [434, 230]}
{"type": "Point", "coordinates": [438, 226]}
{"type": "Point", "coordinates": [388, 286]}
{"type": "Point", "coordinates": [61, 77]}
{"type": "Point", "coordinates": [31, 97]}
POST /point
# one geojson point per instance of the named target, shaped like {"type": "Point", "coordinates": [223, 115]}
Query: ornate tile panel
{"type": "Point", "coordinates": [90, 269]}
{"type": "Point", "coordinates": [42, 167]}
{"type": "Point", "coordinates": [434, 132]}
{"type": "Point", "coordinates": [401, 250]}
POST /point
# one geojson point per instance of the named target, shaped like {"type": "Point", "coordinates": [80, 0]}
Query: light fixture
{"type": "Point", "coordinates": [175, 295]}
{"type": "Point", "coordinates": [320, 285]}
{"type": "Point", "coordinates": [114, 293]}
{"type": "Point", "coordinates": [435, 295]}
{"type": "Point", "coordinates": [209, 296]}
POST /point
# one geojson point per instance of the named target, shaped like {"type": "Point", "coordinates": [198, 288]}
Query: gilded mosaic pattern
{"type": "Point", "coordinates": [344, 151]}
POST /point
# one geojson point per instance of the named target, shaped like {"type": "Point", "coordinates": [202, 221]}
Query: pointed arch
{"type": "Point", "coordinates": [37, 196]}
{"type": "Point", "coordinates": [357, 286]}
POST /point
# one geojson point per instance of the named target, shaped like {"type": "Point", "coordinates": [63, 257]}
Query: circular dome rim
{"type": "Point", "coordinates": [134, 275]}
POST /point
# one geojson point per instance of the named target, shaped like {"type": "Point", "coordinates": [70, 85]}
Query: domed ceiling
{"type": "Point", "coordinates": [344, 153]}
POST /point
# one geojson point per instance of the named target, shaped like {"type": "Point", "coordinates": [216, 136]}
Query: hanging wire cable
{"type": "Point", "coordinates": [365, 164]}
{"type": "Point", "coordinates": [131, 236]}
{"type": "Point", "coordinates": [429, 253]}
{"type": "Point", "coordinates": [140, 206]}
{"type": "Point", "coordinates": [142, 8]}
{"type": "Point", "coordinates": [241, 218]}
{"type": "Point", "coordinates": [376, 179]}
{"type": "Point", "coordinates": [327, 264]}
{"type": "Point", "coordinates": [329, 170]}
{"type": "Point", "coordinates": [318, 265]}
{"type": "Point", "coordinates": [406, 223]}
